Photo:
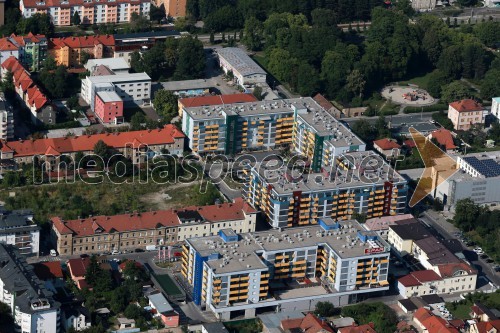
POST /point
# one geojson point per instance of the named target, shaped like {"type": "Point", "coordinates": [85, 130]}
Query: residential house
{"type": "Point", "coordinates": [77, 317]}
{"type": "Point", "coordinates": [104, 11]}
{"type": "Point", "coordinates": [72, 51]}
{"type": "Point", "coordinates": [492, 326]}
{"type": "Point", "coordinates": [32, 305]}
{"type": "Point", "coordinates": [444, 140]}
{"type": "Point", "coordinates": [77, 269]}
{"type": "Point", "coordinates": [125, 323]}
{"type": "Point", "coordinates": [465, 113]}
{"type": "Point", "coordinates": [480, 312]}
{"type": "Point", "coordinates": [139, 146]}
{"type": "Point", "coordinates": [427, 322]}
{"type": "Point", "coordinates": [99, 234]}
{"type": "Point", "coordinates": [30, 50]}
{"type": "Point", "coordinates": [388, 148]}
{"type": "Point", "coordinates": [366, 328]}
{"type": "Point", "coordinates": [309, 324]}
{"type": "Point", "coordinates": [17, 228]}
{"type": "Point", "coordinates": [42, 111]}
{"type": "Point", "coordinates": [163, 310]}
{"type": "Point", "coordinates": [51, 273]}
{"type": "Point", "coordinates": [327, 105]}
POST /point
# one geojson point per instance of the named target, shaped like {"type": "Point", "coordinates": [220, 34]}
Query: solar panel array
{"type": "Point", "coordinates": [488, 168]}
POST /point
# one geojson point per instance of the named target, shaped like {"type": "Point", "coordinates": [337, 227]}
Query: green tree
{"type": "Point", "coordinates": [455, 91]}
{"type": "Point", "coordinates": [466, 213]}
{"type": "Point", "coordinates": [364, 130]}
{"type": "Point", "coordinates": [191, 59]}
{"type": "Point", "coordinates": [382, 316]}
{"type": "Point", "coordinates": [6, 319]}
{"type": "Point", "coordinates": [450, 62]}
{"type": "Point", "coordinates": [75, 19]}
{"type": "Point", "coordinates": [253, 34]}
{"type": "Point", "coordinates": [437, 80]}
{"type": "Point", "coordinates": [307, 80]}
{"type": "Point", "coordinates": [136, 121]}
{"type": "Point", "coordinates": [138, 23]}
{"type": "Point", "coordinates": [132, 311]}
{"type": "Point", "coordinates": [157, 13]}
{"type": "Point", "coordinates": [101, 149]}
{"type": "Point", "coordinates": [356, 82]}
{"type": "Point", "coordinates": [488, 32]}
{"type": "Point", "coordinates": [257, 92]}
{"type": "Point", "coordinates": [165, 104]}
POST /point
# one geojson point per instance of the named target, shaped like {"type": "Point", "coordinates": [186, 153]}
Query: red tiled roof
{"type": "Point", "coordinates": [48, 270]}
{"type": "Point", "coordinates": [466, 105]}
{"type": "Point", "coordinates": [410, 143]}
{"type": "Point", "coordinates": [449, 270]}
{"type": "Point", "coordinates": [217, 100]}
{"type": "Point", "coordinates": [78, 266]}
{"type": "Point", "coordinates": [444, 137]}
{"type": "Point", "coordinates": [80, 41]}
{"type": "Point", "coordinates": [323, 102]}
{"type": "Point", "coordinates": [436, 324]}
{"type": "Point", "coordinates": [477, 310]}
{"type": "Point", "coordinates": [309, 324]}
{"type": "Point", "coordinates": [422, 314]}
{"type": "Point", "coordinates": [148, 220]}
{"type": "Point", "coordinates": [366, 328]}
{"type": "Point", "coordinates": [81, 284]}
{"type": "Point", "coordinates": [124, 264]}
{"type": "Point", "coordinates": [386, 144]}
{"type": "Point", "coordinates": [7, 45]}
{"type": "Point", "coordinates": [82, 143]}
{"type": "Point", "coordinates": [416, 278]}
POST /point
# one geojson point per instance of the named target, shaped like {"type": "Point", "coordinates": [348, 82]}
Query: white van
{"type": "Point", "coordinates": [53, 253]}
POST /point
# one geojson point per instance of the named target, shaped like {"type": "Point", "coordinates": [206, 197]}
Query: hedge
{"type": "Point", "coordinates": [428, 108]}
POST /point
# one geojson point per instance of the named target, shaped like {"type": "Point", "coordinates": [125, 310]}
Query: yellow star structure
{"type": "Point", "coordinates": [439, 166]}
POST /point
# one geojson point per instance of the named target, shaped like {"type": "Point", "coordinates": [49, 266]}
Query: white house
{"type": "Point", "coordinates": [76, 317]}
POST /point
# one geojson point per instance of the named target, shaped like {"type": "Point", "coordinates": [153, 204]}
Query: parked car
{"type": "Point", "coordinates": [138, 250]}
{"type": "Point", "coordinates": [53, 253]}
{"type": "Point", "coordinates": [84, 255]}
{"type": "Point", "coordinates": [115, 252]}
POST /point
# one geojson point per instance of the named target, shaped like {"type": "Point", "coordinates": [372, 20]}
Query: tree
{"type": "Point", "coordinates": [356, 82]}
{"type": "Point", "coordinates": [75, 19]}
{"type": "Point", "coordinates": [253, 34]}
{"type": "Point", "coordinates": [450, 62]}
{"type": "Point", "coordinates": [136, 121]}
{"type": "Point", "coordinates": [466, 213]}
{"type": "Point", "coordinates": [381, 315]}
{"type": "Point", "coordinates": [212, 37]}
{"type": "Point", "coordinates": [257, 92]}
{"type": "Point", "coordinates": [437, 80]}
{"type": "Point", "coordinates": [101, 149]}
{"type": "Point", "coordinates": [132, 311]}
{"type": "Point", "coordinates": [157, 13]}
{"type": "Point", "coordinates": [6, 319]}
{"type": "Point", "coordinates": [455, 91]}
{"type": "Point", "coordinates": [139, 23]}
{"type": "Point", "coordinates": [324, 309]}
{"type": "Point", "coordinates": [191, 59]}
{"type": "Point", "coordinates": [488, 32]}
{"type": "Point", "coordinates": [364, 130]}
{"type": "Point", "coordinates": [489, 85]}
{"type": "Point", "coordinates": [165, 104]}
{"type": "Point", "coordinates": [307, 79]}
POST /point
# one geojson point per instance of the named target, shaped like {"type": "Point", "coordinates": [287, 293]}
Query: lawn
{"type": "Point", "coordinates": [461, 309]}
{"type": "Point", "coordinates": [244, 326]}
{"type": "Point", "coordinates": [420, 81]}
{"type": "Point", "coordinates": [168, 285]}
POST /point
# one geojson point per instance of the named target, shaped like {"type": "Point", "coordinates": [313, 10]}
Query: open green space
{"type": "Point", "coordinates": [168, 285]}
{"type": "Point", "coordinates": [461, 309]}
{"type": "Point", "coordinates": [420, 81]}
{"type": "Point", "coordinates": [253, 325]}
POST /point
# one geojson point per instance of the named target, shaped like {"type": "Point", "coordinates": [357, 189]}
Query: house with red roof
{"type": "Point", "coordinates": [212, 100]}
{"type": "Point", "coordinates": [77, 269]}
{"type": "Point", "coordinates": [309, 324]}
{"type": "Point", "coordinates": [137, 145]}
{"type": "Point", "coordinates": [427, 322]}
{"type": "Point", "coordinates": [480, 312]}
{"type": "Point", "coordinates": [387, 147]}
{"type": "Point", "coordinates": [31, 50]}
{"type": "Point", "coordinates": [42, 111]}
{"type": "Point", "coordinates": [71, 51]}
{"type": "Point", "coordinates": [444, 139]}
{"type": "Point", "coordinates": [466, 113]}
{"type": "Point", "coordinates": [101, 234]}
{"type": "Point", "coordinates": [366, 328]}
{"type": "Point", "coordinates": [492, 326]}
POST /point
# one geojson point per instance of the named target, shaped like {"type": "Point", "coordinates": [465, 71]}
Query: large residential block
{"type": "Point", "coordinates": [90, 11]}
{"type": "Point", "coordinates": [31, 50]}
{"type": "Point", "coordinates": [292, 269]}
{"type": "Point", "coordinates": [6, 120]}
{"type": "Point", "coordinates": [288, 198]}
{"type": "Point", "coordinates": [41, 109]}
{"type": "Point", "coordinates": [465, 113]}
{"type": "Point", "coordinates": [212, 100]}
{"type": "Point", "coordinates": [70, 51]}
{"type": "Point", "coordinates": [32, 305]}
{"type": "Point", "coordinates": [18, 229]}
{"type": "Point", "coordinates": [139, 146]}
{"type": "Point", "coordinates": [100, 234]}
{"type": "Point", "coordinates": [300, 122]}
{"type": "Point", "coordinates": [173, 8]}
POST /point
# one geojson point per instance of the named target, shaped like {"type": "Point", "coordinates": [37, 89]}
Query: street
{"type": "Point", "coordinates": [445, 228]}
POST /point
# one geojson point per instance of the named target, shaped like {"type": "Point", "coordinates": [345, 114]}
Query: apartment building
{"type": "Point", "coordinates": [90, 11]}
{"type": "Point", "coordinates": [32, 305]}
{"type": "Point", "coordinates": [477, 178]}
{"type": "Point", "coordinates": [41, 109]}
{"type": "Point", "coordinates": [133, 89]}
{"type": "Point", "coordinates": [18, 229]}
{"type": "Point", "coordinates": [244, 69]}
{"type": "Point", "coordinates": [334, 261]}
{"type": "Point", "coordinates": [139, 146]}
{"type": "Point", "coordinates": [173, 8]}
{"type": "Point", "coordinates": [402, 235]}
{"type": "Point", "coordinates": [71, 51]}
{"type": "Point", "coordinates": [299, 122]}
{"type": "Point", "coordinates": [100, 234]}
{"type": "Point", "coordinates": [465, 113]}
{"type": "Point", "coordinates": [30, 50]}
{"type": "Point", "coordinates": [6, 120]}
{"type": "Point", "coordinates": [289, 198]}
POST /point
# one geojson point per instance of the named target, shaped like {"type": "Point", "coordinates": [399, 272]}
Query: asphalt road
{"type": "Point", "coordinates": [445, 229]}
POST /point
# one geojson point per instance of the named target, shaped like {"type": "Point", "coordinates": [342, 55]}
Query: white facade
{"type": "Point", "coordinates": [495, 106]}
{"type": "Point", "coordinates": [245, 70]}
{"type": "Point", "coordinates": [6, 122]}
{"type": "Point", "coordinates": [132, 88]}
{"type": "Point", "coordinates": [462, 282]}
{"type": "Point", "coordinates": [79, 322]}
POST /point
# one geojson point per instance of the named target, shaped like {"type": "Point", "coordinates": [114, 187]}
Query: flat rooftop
{"type": "Point", "coordinates": [186, 85]}
{"type": "Point", "coordinates": [117, 78]}
{"type": "Point", "coordinates": [231, 257]}
{"type": "Point", "coordinates": [111, 63]}
{"type": "Point", "coordinates": [109, 96]}
{"type": "Point", "coordinates": [240, 61]}
{"type": "Point", "coordinates": [286, 182]}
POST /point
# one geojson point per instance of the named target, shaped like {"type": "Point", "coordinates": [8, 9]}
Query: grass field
{"type": "Point", "coordinates": [168, 285]}
{"type": "Point", "coordinates": [420, 81]}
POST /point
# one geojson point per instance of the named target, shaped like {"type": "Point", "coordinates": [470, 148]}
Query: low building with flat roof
{"type": "Point", "coordinates": [289, 269]}
{"type": "Point", "coordinates": [401, 236]}
{"type": "Point", "coordinates": [245, 70]}
{"type": "Point", "coordinates": [117, 65]}
{"type": "Point", "coordinates": [163, 310]}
